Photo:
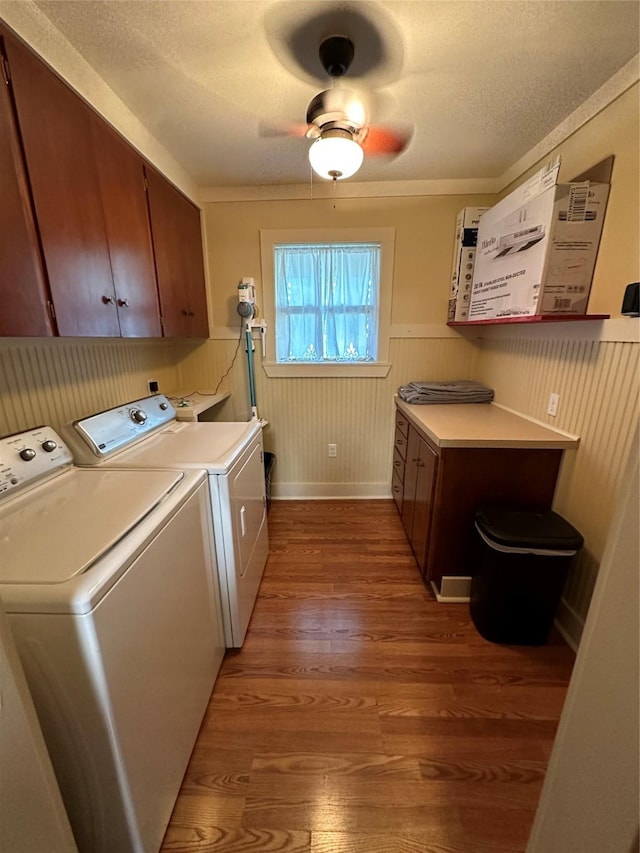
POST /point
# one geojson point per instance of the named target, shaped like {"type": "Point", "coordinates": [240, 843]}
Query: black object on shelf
{"type": "Point", "coordinates": [269, 462]}
{"type": "Point", "coordinates": [523, 556]}
{"type": "Point", "coordinates": [631, 300]}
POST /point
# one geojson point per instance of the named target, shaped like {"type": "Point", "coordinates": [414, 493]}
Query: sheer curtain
{"type": "Point", "coordinates": [327, 302]}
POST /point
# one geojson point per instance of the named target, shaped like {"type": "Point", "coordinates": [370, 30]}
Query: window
{"type": "Point", "coordinates": [326, 302]}
{"type": "Point", "coordinates": [327, 295]}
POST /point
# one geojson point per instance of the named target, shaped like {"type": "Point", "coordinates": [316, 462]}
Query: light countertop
{"type": "Point", "coordinates": [482, 425]}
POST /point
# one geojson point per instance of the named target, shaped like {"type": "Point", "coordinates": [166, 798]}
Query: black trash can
{"type": "Point", "coordinates": [269, 462]}
{"type": "Point", "coordinates": [523, 556]}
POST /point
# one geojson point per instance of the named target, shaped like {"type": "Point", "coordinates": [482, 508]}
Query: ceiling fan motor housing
{"type": "Point", "coordinates": [336, 55]}
{"type": "Point", "coordinates": [336, 108]}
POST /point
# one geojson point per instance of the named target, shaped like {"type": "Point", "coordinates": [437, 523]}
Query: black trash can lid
{"type": "Point", "coordinates": [528, 528]}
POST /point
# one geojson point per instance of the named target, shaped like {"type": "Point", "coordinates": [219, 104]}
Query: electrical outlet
{"type": "Point", "coordinates": [152, 385]}
{"type": "Point", "coordinates": [554, 402]}
{"type": "Point", "coordinates": [332, 449]}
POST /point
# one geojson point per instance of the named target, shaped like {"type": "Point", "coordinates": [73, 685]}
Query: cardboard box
{"type": "Point", "coordinates": [537, 249]}
{"type": "Point", "coordinates": [464, 250]}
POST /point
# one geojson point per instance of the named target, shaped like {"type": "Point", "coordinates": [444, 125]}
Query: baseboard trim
{"type": "Point", "coordinates": [330, 491]}
{"type": "Point", "coordinates": [453, 589]}
{"type": "Point", "coordinates": [570, 624]}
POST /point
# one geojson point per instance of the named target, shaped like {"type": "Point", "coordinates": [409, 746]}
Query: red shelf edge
{"type": "Point", "coordinates": [536, 318]}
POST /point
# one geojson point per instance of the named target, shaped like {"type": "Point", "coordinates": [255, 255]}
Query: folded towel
{"type": "Point", "coordinates": [455, 391]}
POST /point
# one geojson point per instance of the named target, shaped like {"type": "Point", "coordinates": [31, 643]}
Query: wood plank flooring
{"type": "Point", "coordinates": [361, 716]}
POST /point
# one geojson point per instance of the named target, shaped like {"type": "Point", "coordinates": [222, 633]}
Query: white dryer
{"type": "Point", "coordinates": [107, 581]}
{"type": "Point", "coordinates": [145, 434]}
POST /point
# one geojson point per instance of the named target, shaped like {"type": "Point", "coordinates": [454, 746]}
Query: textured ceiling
{"type": "Point", "coordinates": [480, 82]}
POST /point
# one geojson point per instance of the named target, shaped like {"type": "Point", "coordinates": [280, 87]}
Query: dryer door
{"type": "Point", "coordinates": [247, 491]}
{"type": "Point", "coordinates": [242, 542]}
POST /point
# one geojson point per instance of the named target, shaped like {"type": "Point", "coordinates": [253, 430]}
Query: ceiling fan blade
{"type": "Point", "coordinates": [268, 129]}
{"type": "Point", "coordinates": [385, 140]}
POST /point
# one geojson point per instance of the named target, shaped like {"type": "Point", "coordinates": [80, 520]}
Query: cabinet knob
{"type": "Point", "coordinates": [109, 300]}
{"type": "Point", "coordinates": [186, 313]}
{"type": "Point", "coordinates": [123, 303]}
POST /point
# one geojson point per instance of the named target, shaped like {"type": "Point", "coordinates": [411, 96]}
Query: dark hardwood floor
{"type": "Point", "coordinates": [361, 716]}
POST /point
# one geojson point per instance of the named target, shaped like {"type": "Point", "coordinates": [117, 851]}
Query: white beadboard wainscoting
{"type": "Point", "coordinates": [597, 381]}
{"type": "Point", "coordinates": [54, 381]}
{"type": "Point", "coordinates": [305, 415]}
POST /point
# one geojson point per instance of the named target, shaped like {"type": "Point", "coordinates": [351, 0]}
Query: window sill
{"type": "Point", "coordinates": [327, 371]}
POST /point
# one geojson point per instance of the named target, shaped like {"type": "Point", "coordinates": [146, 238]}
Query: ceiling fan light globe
{"type": "Point", "coordinates": [335, 158]}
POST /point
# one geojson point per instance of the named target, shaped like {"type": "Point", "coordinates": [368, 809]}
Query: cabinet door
{"type": "Point", "coordinates": [177, 246]}
{"type": "Point", "coordinates": [426, 465]}
{"type": "Point", "coordinates": [23, 288]}
{"type": "Point", "coordinates": [124, 200]}
{"type": "Point", "coordinates": [56, 134]}
{"type": "Point", "coordinates": [417, 501]}
{"type": "Point", "coordinates": [410, 479]}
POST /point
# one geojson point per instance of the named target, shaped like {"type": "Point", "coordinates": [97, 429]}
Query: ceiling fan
{"type": "Point", "coordinates": [337, 121]}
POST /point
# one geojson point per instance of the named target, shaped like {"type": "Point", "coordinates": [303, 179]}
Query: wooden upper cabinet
{"type": "Point", "coordinates": [177, 244]}
{"type": "Point", "coordinates": [88, 229]}
{"type": "Point", "coordinates": [124, 200]}
{"type": "Point", "coordinates": [55, 126]}
{"type": "Point", "coordinates": [24, 295]}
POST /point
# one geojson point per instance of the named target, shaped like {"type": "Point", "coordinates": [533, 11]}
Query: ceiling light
{"type": "Point", "coordinates": [335, 157]}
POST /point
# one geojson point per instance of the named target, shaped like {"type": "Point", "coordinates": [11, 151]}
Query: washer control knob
{"type": "Point", "coordinates": [164, 406]}
{"type": "Point", "coordinates": [138, 416]}
{"type": "Point", "coordinates": [49, 445]}
{"type": "Point", "coordinates": [27, 454]}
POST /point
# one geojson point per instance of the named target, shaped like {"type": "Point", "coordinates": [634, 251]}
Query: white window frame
{"type": "Point", "coordinates": [269, 238]}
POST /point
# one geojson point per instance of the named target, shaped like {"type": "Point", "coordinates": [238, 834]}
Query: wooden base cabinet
{"type": "Point", "coordinates": [418, 491]}
{"type": "Point", "coordinates": [443, 486]}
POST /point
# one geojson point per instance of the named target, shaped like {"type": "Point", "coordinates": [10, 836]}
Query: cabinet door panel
{"type": "Point", "coordinates": [177, 246]}
{"type": "Point", "coordinates": [23, 287]}
{"type": "Point", "coordinates": [410, 479]}
{"type": "Point", "coordinates": [121, 174]}
{"type": "Point", "coordinates": [423, 507]}
{"type": "Point", "coordinates": [56, 133]}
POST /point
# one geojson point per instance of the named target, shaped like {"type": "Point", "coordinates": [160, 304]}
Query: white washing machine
{"type": "Point", "coordinates": [145, 434]}
{"type": "Point", "coordinates": [107, 582]}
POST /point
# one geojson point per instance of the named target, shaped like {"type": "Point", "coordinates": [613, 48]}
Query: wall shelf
{"type": "Point", "coordinates": [537, 318]}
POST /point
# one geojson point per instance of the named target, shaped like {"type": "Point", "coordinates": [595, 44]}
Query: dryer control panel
{"type": "Point", "coordinates": [27, 457]}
